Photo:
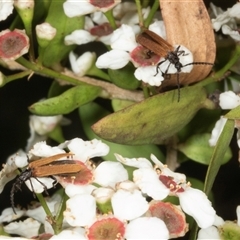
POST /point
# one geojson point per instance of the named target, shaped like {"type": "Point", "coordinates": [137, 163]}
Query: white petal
{"type": "Point", "coordinates": [114, 59]}
{"type": "Point", "coordinates": [44, 125]}
{"type": "Point", "coordinates": [40, 185]}
{"type": "Point", "coordinates": [99, 18]}
{"type": "Point", "coordinates": [209, 233]}
{"type": "Point", "coordinates": [79, 37]}
{"type": "Point", "coordinates": [134, 162]}
{"type": "Point", "coordinates": [108, 174]}
{"type": "Point", "coordinates": [74, 8]}
{"type": "Point", "coordinates": [103, 194]}
{"type": "Point", "coordinates": [6, 8]}
{"type": "Point", "coordinates": [159, 28]}
{"type": "Point", "coordinates": [196, 204]}
{"type": "Point", "coordinates": [147, 180]}
{"type": "Point", "coordinates": [45, 31]}
{"type": "Point", "coordinates": [148, 75]}
{"type": "Point", "coordinates": [84, 150]}
{"type": "Point", "coordinates": [217, 130]}
{"type": "Point", "coordinates": [74, 233]}
{"type": "Point", "coordinates": [72, 189]}
{"type": "Point", "coordinates": [41, 149]}
{"type": "Point", "coordinates": [39, 214]}
{"type": "Point", "coordinates": [129, 205]}
{"type": "Point", "coordinates": [229, 100]}
{"type": "Point", "coordinates": [234, 34]}
{"type": "Point", "coordinates": [80, 65]}
{"type": "Point", "coordinates": [238, 215]}
{"type": "Point", "coordinates": [234, 11]}
{"type": "Point", "coordinates": [8, 215]}
{"type": "Point", "coordinates": [146, 228]}
{"type": "Point", "coordinates": [124, 39]}
{"type": "Point", "coordinates": [27, 228]}
{"type": "Point", "coordinates": [80, 210]}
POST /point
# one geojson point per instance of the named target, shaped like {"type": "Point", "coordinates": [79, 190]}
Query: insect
{"type": "Point", "coordinates": [161, 47]}
{"type": "Point", "coordinates": [45, 167]}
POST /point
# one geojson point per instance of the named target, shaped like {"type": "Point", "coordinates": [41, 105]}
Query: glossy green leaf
{"type": "Point", "coordinates": [152, 120]}
{"type": "Point", "coordinates": [92, 112]}
{"type": "Point", "coordinates": [233, 114]}
{"type": "Point", "coordinates": [57, 50]}
{"type": "Point", "coordinates": [124, 77]}
{"type": "Point", "coordinates": [66, 102]}
{"type": "Point", "coordinates": [219, 151]}
{"type": "Point", "coordinates": [197, 148]}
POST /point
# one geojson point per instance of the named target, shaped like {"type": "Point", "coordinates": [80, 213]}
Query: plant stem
{"type": "Point", "coordinates": [111, 19]}
{"type": "Point", "coordinates": [150, 16]}
{"type": "Point", "coordinates": [140, 16]}
{"type": "Point", "coordinates": [219, 74]}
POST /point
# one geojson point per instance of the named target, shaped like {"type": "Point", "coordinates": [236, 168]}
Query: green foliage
{"type": "Point", "coordinates": [57, 50]}
{"type": "Point", "coordinates": [124, 77]}
{"type": "Point", "coordinates": [92, 112]}
{"type": "Point", "coordinates": [66, 102]}
{"type": "Point", "coordinates": [152, 120]}
{"type": "Point", "coordinates": [198, 149]}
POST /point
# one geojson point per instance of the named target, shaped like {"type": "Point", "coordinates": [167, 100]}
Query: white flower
{"type": "Point", "coordinates": [80, 210]}
{"type": "Point", "coordinates": [45, 31]}
{"type": "Point", "coordinates": [73, 233]}
{"type": "Point", "coordinates": [74, 8]}
{"type": "Point", "coordinates": [229, 100]}
{"type": "Point", "coordinates": [125, 49]}
{"type": "Point", "coordinates": [129, 205]}
{"type": "Point", "coordinates": [84, 150]}
{"type": "Point", "coordinates": [108, 174]}
{"type": "Point", "coordinates": [80, 65]}
{"type": "Point", "coordinates": [196, 204]}
{"type": "Point", "coordinates": [227, 21]}
{"type": "Point", "coordinates": [78, 37]}
{"type": "Point", "coordinates": [217, 130]}
{"type": "Point", "coordinates": [147, 228]}
{"type": "Point", "coordinates": [27, 228]}
{"type": "Point", "coordinates": [44, 125]}
{"type": "Point", "coordinates": [6, 8]}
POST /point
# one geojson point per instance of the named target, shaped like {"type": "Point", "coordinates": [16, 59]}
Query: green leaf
{"type": "Point", "coordinates": [197, 148]}
{"type": "Point", "coordinates": [66, 102]}
{"type": "Point", "coordinates": [57, 50]}
{"type": "Point", "coordinates": [219, 151]}
{"type": "Point", "coordinates": [124, 77]}
{"type": "Point", "coordinates": [57, 89]}
{"type": "Point", "coordinates": [119, 104]}
{"type": "Point", "coordinates": [152, 120]}
{"type": "Point", "coordinates": [233, 114]}
{"type": "Point", "coordinates": [92, 112]}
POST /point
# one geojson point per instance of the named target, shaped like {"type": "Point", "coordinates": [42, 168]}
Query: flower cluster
{"type": "Point", "coordinates": [104, 199]}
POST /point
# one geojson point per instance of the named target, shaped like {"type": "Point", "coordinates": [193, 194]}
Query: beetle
{"type": "Point", "coordinates": [45, 167]}
{"type": "Point", "coordinates": [156, 44]}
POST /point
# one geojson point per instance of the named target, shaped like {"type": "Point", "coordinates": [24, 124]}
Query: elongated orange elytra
{"type": "Point", "coordinates": [162, 48]}
{"type": "Point", "coordinates": [45, 167]}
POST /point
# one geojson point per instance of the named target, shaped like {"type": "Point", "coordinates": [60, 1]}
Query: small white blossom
{"type": "Point", "coordinates": [129, 205]}
{"type": "Point", "coordinates": [229, 100]}
{"type": "Point", "coordinates": [27, 228]}
{"type": "Point", "coordinates": [78, 37]}
{"type": "Point", "coordinates": [6, 8]}
{"type": "Point", "coordinates": [147, 228]}
{"type": "Point", "coordinates": [46, 31]}
{"type": "Point", "coordinates": [227, 21]}
{"type": "Point", "coordinates": [77, 233]}
{"type": "Point", "coordinates": [80, 210]}
{"type": "Point", "coordinates": [196, 204]}
{"type": "Point", "coordinates": [108, 174]}
{"type": "Point", "coordinates": [217, 130]}
{"type": "Point", "coordinates": [80, 65]}
{"type": "Point", "coordinates": [84, 150]}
